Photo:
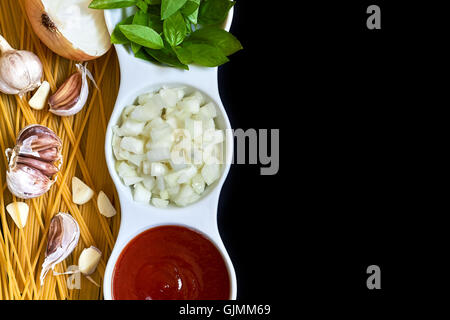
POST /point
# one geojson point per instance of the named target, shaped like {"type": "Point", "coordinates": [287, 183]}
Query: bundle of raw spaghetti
{"type": "Point", "coordinates": [22, 251]}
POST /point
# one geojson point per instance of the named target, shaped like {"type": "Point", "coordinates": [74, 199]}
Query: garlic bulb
{"type": "Point", "coordinates": [20, 71]}
{"type": "Point", "coordinates": [34, 162]}
{"type": "Point", "coordinates": [63, 236]}
{"type": "Point", "coordinates": [72, 95]}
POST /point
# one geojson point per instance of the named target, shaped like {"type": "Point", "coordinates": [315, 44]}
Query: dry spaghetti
{"type": "Point", "coordinates": [22, 250]}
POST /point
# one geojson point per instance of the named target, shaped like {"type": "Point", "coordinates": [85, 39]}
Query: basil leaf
{"type": "Point", "coordinates": [154, 22]}
{"type": "Point", "coordinates": [184, 55]}
{"type": "Point", "coordinates": [154, 10]}
{"type": "Point", "coordinates": [192, 17]}
{"type": "Point", "coordinates": [140, 18]}
{"type": "Point", "coordinates": [190, 7]}
{"type": "Point", "coordinates": [166, 56]}
{"type": "Point", "coordinates": [143, 35]}
{"type": "Point", "coordinates": [205, 54]}
{"type": "Point", "coordinates": [169, 7]}
{"type": "Point", "coordinates": [142, 54]}
{"type": "Point", "coordinates": [214, 11]}
{"type": "Point", "coordinates": [217, 37]}
{"type": "Point", "coordinates": [188, 25]}
{"type": "Point", "coordinates": [117, 37]}
{"type": "Point", "coordinates": [111, 4]}
{"type": "Point", "coordinates": [150, 2]}
{"type": "Point", "coordinates": [141, 4]}
{"type": "Point", "coordinates": [174, 29]}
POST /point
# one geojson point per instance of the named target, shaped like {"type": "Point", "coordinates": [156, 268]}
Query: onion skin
{"type": "Point", "coordinates": [50, 35]}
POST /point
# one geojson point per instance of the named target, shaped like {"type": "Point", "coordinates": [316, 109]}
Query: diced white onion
{"type": "Point", "coordinates": [158, 169]}
{"type": "Point", "coordinates": [170, 96]}
{"type": "Point", "coordinates": [126, 112]}
{"type": "Point", "coordinates": [149, 182]}
{"type": "Point", "coordinates": [208, 111]}
{"type": "Point", "coordinates": [130, 128]}
{"type": "Point", "coordinates": [186, 174]}
{"type": "Point", "coordinates": [136, 159]}
{"type": "Point", "coordinates": [198, 184]}
{"type": "Point", "coordinates": [132, 144]}
{"type": "Point", "coordinates": [160, 203]}
{"type": "Point", "coordinates": [191, 103]}
{"type": "Point", "coordinates": [158, 154]}
{"type": "Point", "coordinates": [167, 147]}
{"type": "Point", "coordinates": [132, 180]}
{"type": "Point", "coordinates": [125, 170]}
{"type": "Point", "coordinates": [160, 183]}
{"type": "Point", "coordinates": [210, 173]}
{"type": "Point", "coordinates": [141, 194]}
{"type": "Point", "coordinates": [161, 132]}
{"type": "Point", "coordinates": [146, 112]}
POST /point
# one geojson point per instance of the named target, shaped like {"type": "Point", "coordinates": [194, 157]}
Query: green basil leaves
{"type": "Point", "coordinates": [111, 4]}
{"type": "Point", "coordinates": [174, 29]}
{"type": "Point", "coordinates": [175, 32]}
{"type": "Point", "coordinates": [143, 35]}
{"type": "Point", "coordinates": [169, 7]}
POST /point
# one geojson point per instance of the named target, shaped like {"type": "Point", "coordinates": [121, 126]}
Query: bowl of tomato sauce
{"type": "Point", "coordinates": [171, 262]}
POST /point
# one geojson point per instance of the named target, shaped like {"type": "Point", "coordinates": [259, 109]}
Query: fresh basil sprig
{"type": "Point", "coordinates": [111, 4]}
{"type": "Point", "coordinates": [175, 32]}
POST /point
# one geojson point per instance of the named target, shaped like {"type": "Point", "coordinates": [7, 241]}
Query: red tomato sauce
{"type": "Point", "coordinates": [170, 263]}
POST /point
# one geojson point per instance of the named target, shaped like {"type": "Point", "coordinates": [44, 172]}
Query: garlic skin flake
{"type": "Point", "coordinates": [63, 236]}
{"type": "Point", "coordinates": [33, 162]}
{"type": "Point", "coordinates": [20, 71]}
{"type": "Point", "coordinates": [72, 95]}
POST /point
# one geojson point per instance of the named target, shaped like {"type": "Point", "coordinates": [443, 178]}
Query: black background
{"type": "Point", "coordinates": [359, 114]}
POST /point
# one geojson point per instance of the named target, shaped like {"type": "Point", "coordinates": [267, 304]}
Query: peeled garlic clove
{"type": "Point", "coordinates": [63, 236]}
{"type": "Point", "coordinates": [81, 193]}
{"type": "Point", "coordinates": [34, 162]}
{"type": "Point", "coordinates": [19, 213]}
{"type": "Point", "coordinates": [104, 205]}
{"type": "Point", "coordinates": [20, 71]}
{"type": "Point", "coordinates": [72, 95]}
{"type": "Point", "coordinates": [89, 259]}
{"type": "Point", "coordinates": [39, 99]}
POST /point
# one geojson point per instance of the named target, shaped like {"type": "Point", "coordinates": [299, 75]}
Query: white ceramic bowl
{"type": "Point", "coordinates": [137, 77]}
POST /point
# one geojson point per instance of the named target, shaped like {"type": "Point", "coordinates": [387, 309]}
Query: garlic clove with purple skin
{"type": "Point", "coordinates": [34, 162]}
{"type": "Point", "coordinates": [72, 95]}
{"type": "Point", "coordinates": [26, 182]}
{"type": "Point", "coordinates": [63, 236]}
{"type": "Point", "coordinates": [37, 138]}
{"type": "Point", "coordinates": [20, 71]}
